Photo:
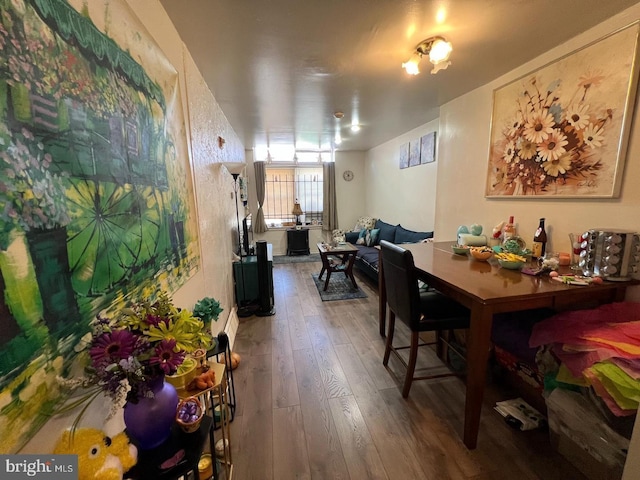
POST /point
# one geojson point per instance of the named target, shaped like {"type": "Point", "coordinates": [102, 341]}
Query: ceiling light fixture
{"type": "Point", "coordinates": [438, 50]}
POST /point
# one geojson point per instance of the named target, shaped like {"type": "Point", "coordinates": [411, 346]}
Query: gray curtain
{"type": "Point", "coordinates": [260, 224]}
{"type": "Point", "coordinates": [330, 209]}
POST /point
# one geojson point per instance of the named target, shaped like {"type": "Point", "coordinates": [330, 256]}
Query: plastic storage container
{"type": "Point", "coordinates": [582, 437]}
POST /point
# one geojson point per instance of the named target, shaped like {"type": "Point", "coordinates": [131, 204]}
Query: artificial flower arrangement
{"type": "Point", "coordinates": [146, 340]}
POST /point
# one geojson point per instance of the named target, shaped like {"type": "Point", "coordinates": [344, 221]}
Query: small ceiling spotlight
{"type": "Point", "coordinates": [339, 115]}
{"type": "Point", "coordinates": [438, 50]}
{"type": "Point", "coordinates": [355, 127]}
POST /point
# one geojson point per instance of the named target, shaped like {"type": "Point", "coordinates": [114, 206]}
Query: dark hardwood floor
{"type": "Point", "coordinates": [315, 402]}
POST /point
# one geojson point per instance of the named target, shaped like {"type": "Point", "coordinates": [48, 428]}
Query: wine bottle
{"type": "Point", "coordinates": [509, 230]}
{"type": "Point", "coordinates": [539, 241]}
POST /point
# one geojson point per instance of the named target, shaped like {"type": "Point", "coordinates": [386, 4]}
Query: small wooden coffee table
{"type": "Point", "coordinates": [337, 258]}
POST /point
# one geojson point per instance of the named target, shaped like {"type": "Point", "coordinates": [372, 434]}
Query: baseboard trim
{"type": "Point", "coordinates": [231, 327]}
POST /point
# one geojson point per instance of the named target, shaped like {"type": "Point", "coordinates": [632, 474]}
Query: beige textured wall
{"type": "Point", "coordinates": [204, 122]}
{"type": "Point", "coordinates": [404, 196]}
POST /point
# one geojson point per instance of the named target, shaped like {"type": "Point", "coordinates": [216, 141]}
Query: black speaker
{"type": "Point", "coordinates": [265, 281]}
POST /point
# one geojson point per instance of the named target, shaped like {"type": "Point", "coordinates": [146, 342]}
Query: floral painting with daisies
{"type": "Point", "coordinates": [562, 130]}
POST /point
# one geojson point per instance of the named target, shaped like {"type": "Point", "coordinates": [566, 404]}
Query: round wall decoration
{"type": "Point", "coordinates": [347, 175]}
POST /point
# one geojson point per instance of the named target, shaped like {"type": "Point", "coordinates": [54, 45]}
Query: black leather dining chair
{"type": "Point", "coordinates": [428, 311]}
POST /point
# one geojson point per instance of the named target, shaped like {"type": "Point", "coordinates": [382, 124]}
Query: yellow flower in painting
{"type": "Point", "coordinates": [553, 147]}
{"type": "Point", "coordinates": [539, 126]}
{"type": "Point", "coordinates": [527, 148]}
{"type": "Point", "coordinates": [557, 166]}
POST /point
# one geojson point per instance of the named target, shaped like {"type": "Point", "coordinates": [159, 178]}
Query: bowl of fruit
{"type": "Point", "coordinates": [189, 414]}
{"type": "Point", "coordinates": [481, 253]}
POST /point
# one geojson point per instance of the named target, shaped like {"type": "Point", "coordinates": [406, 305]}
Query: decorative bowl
{"type": "Point", "coordinates": [511, 265]}
{"type": "Point", "coordinates": [460, 249]}
{"type": "Point", "coordinates": [187, 371]}
{"type": "Point", "coordinates": [189, 414]}
{"type": "Point", "coordinates": [481, 253]}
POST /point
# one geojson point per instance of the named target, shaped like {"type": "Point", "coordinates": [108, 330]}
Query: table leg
{"type": "Point", "coordinates": [352, 259]}
{"type": "Point", "coordinates": [477, 358]}
{"type": "Point", "coordinates": [382, 297]}
{"type": "Point", "coordinates": [326, 283]}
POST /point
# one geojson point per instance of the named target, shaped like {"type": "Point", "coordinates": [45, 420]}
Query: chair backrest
{"type": "Point", "coordinates": [401, 282]}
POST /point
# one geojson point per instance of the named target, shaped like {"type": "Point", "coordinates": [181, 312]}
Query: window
{"type": "Point", "coordinates": [284, 185]}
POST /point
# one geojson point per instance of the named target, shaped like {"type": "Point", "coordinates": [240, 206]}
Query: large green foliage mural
{"type": "Point", "coordinates": [95, 199]}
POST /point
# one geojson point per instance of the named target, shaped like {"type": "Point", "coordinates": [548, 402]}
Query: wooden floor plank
{"type": "Point", "coordinates": [359, 449]}
{"type": "Point", "coordinates": [389, 438]}
{"type": "Point", "coordinates": [290, 458]}
{"type": "Point", "coordinates": [254, 460]}
{"type": "Point", "coordinates": [333, 377]}
{"type": "Point", "coordinates": [326, 460]}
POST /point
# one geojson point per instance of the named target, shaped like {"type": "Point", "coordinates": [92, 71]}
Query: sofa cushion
{"type": "Point", "coordinates": [364, 223]}
{"type": "Point", "coordinates": [368, 237]}
{"type": "Point", "coordinates": [371, 237]}
{"type": "Point", "coordinates": [387, 231]}
{"type": "Point", "coordinates": [409, 236]}
{"type": "Point", "coordinates": [351, 237]}
{"type": "Point", "coordinates": [368, 255]}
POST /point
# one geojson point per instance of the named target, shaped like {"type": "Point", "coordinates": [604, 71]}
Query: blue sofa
{"type": "Point", "coordinates": [367, 256]}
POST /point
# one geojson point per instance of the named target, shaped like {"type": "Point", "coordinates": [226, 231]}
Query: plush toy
{"type": "Point", "coordinates": [100, 457]}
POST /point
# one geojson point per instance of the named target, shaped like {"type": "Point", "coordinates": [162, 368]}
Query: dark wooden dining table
{"type": "Point", "coordinates": [486, 289]}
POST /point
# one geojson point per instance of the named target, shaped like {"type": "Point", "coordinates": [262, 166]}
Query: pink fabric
{"type": "Point", "coordinates": [569, 327]}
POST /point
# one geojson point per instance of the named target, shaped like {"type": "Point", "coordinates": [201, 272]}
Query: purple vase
{"type": "Point", "coordinates": [150, 420]}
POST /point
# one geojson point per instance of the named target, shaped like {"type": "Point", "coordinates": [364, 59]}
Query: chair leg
{"type": "Point", "coordinates": [439, 344]}
{"type": "Point", "coordinates": [413, 357]}
{"type": "Point", "coordinates": [389, 342]}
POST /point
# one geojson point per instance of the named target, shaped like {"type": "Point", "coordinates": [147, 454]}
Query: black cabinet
{"type": "Point", "coordinates": [245, 274]}
{"type": "Point", "coordinates": [298, 241]}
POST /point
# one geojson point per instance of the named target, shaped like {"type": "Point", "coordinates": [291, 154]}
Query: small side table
{"type": "Point", "coordinates": [298, 241]}
{"type": "Point", "coordinates": [339, 258]}
{"type": "Point", "coordinates": [212, 397]}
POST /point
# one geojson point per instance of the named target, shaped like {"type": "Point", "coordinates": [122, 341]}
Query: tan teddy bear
{"type": "Point", "coordinates": [100, 457]}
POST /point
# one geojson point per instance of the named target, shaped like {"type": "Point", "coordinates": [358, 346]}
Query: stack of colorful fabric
{"type": "Point", "coordinates": [601, 348]}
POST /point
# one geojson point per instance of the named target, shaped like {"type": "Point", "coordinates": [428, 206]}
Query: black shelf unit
{"type": "Point", "coordinates": [223, 347]}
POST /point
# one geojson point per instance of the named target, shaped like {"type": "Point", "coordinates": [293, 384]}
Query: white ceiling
{"type": "Point", "coordinates": [280, 68]}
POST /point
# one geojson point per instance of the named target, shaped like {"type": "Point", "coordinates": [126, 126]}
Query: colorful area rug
{"type": "Point", "coordinates": [340, 288]}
